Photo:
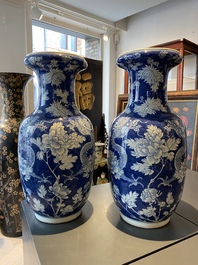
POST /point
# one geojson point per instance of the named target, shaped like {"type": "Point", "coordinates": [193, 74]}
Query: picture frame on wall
{"type": "Point", "coordinates": [185, 105]}
{"type": "Point", "coordinates": [122, 102]}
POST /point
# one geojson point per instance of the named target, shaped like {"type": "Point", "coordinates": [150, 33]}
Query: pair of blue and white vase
{"type": "Point", "coordinates": [147, 142]}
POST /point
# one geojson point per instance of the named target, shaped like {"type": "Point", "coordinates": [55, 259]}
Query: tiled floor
{"type": "Point", "coordinates": [11, 250]}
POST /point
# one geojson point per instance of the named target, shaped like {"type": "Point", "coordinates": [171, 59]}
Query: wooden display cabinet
{"type": "Point", "coordinates": [185, 75]}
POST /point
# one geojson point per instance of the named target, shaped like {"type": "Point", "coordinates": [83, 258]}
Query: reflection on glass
{"type": "Point", "coordinates": [189, 73]}
{"type": "Point", "coordinates": [189, 76]}
{"type": "Point", "coordinates": [172, 79]}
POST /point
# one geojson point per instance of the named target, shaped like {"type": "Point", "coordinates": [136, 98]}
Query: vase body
{"type": "Point", "coordinates": [147, 145]}
{"type": "Point", "coordinates": [56, 142]}
{"type": "Point", "coordinates": [12, 114]}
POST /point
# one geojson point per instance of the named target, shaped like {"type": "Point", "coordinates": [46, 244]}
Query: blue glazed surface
{"type": "Point", "coordinates": [147, 145]}
{"type": "Point", "coordinates": [56, 141]}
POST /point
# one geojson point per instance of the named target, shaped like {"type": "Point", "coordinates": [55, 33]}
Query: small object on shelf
{"type": "Point", "coordinates": [100, 167]}
{"type": "Point", "coordinates": [102, 179]}
{"type": "Point", "coordinates": [99, 151]}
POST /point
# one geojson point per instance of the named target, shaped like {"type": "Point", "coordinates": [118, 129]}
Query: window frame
{"type": "Point", "coordinates": [67, 32]}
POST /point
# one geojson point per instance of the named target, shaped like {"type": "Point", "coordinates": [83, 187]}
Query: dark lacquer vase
{"type": "Point", "coordinates": [56, 141]}
{"type": "Point", "coordinates": [147, 145]}
{"type": "Point", "coordinates": [12, 113]}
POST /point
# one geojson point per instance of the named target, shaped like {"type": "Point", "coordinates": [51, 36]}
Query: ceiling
{"type": "Point", "coordinates": [97, 13]}
{"type": "Point", "coordinates": [112, 10]}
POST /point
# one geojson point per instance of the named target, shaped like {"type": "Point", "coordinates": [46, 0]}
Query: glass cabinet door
{"type": "Point", "coordinates": [184, 76]}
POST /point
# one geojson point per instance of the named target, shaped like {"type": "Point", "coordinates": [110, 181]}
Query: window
{"type": "Point", "coordinates": [48, 37]}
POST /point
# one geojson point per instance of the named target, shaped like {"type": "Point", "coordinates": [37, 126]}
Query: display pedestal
{"type": "Point", "coordinates": [99, 235]}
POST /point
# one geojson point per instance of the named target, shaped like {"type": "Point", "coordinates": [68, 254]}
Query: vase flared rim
{"type": "Point", "coordinates": [58, 53]}
{"type": "Point", "coordinates": [145, 50]}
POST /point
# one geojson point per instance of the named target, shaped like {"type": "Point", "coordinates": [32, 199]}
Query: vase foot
{"type": "Point", "coordinates": [57, 220]}
{"type": "Point", "coordinates": [144, 224]}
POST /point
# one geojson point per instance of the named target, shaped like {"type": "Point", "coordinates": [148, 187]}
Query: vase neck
{"type": "Point", "coordinates": [56, 73]}
{"type": "Point", "coordinates": [12, 95]}
{"type": "Point", "coordinates": [57, 101]}
{"type": "Point", "coordinates": [139, 91]}
{"type": "Point", "coordinates": [147, 99]}
{"type": "Point", "coordinates": [148, 74]}
{"type": "Point", "coordinates": [10, 108]}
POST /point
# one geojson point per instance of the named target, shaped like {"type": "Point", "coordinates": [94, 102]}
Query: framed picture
{"type": "Point", "coordinates": [185, 105]}
{"type": "Point", "coordinates": [122, 102]}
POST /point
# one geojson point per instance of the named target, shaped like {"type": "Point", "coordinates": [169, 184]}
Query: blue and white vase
{"type": "Point", "coordinates": [56, 141]}
{"type": "Point", "coordinates": [147, 145]}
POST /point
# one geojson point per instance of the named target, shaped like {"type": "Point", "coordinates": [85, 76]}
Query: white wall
{"type": "Point", "coordinates": [109, 81]}
{"type": "Point", "coordinates": [174, 19]}
{"type": "Point", "coordinates": [15, 39]}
